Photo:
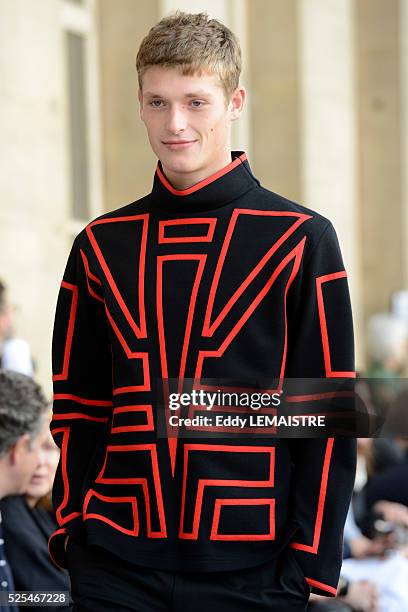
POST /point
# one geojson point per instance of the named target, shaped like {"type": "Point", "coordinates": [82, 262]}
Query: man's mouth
{"type": "Point", "coordinates": [178, 144]}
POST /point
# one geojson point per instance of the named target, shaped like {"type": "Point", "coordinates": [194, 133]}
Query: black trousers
{"type": "Point", "coordinates": [102, 582]}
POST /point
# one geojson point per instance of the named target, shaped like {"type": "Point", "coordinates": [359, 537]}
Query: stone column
{"type": "Point", "coordinates": [328, 130]}
{"type": "Point", "coordinates": [34, 198]}
{"type": "Point", "coordinates": [274, 93]}
{"type": "Point", "coordinates": [128, 160]}
{"type": "Point", "coordinates": [403, 54]}
{"type": "Point", "coordinates": [379, 55]}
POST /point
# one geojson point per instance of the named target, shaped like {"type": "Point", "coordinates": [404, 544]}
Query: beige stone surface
{"type": "Point", "coordinates": [274, 92]}
{"type": "Point", "coordinates": [128, 161]}
{"type": "Point", "coordinates": [379, 163]}
{"type": "Point", "coordinates": [325, 124]}
{"type": "Point", "coordinates": [33, 181]}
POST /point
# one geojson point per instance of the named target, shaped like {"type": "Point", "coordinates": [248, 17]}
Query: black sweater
{"type": "Point", "coordinates": [222, 280]}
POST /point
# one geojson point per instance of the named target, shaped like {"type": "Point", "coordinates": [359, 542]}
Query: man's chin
{"type": "Point", "coordinates": [180, 163]}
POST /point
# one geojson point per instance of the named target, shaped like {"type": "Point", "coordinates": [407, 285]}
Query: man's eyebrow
{"type": "Point", "coordinates": [195, 94]}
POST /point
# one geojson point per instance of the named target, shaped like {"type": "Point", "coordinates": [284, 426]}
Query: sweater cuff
{"type": "Point", "coordinates": [320, 588]}
{"type": "Point", "coordinates": [56, 542]}
{"type": "Point", "coordinates": [56, 547]}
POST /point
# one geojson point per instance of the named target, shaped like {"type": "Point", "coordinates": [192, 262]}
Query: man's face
{"type": "Point", "coordinates": [41, 480]}
{"type": "Point", "coordinates": [25, 456]}
{"type": "Point", "coordinates": [191, 110]}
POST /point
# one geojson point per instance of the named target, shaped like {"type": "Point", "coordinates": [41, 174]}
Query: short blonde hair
{"type": "Point", "coordinates": [195, 44]}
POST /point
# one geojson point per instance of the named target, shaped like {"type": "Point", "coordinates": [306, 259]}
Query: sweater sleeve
{"type": "Point", "coordinates": [82, 383]}
{"type": "Point", "coordinates": [321, 345]}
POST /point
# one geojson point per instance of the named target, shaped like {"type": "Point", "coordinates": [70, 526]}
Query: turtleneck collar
{"type": "Point", "coordinates": [215, 191]}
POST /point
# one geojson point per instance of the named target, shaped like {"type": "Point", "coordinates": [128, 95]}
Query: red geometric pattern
{"type": "Point", "coordinates": [128, 501]}
{"type": "Point", "coordinates": [219, 503]}
{"type": "Point", "coordinates": [210, 222]}
{"type": "Point", "coordinates": [314, 546]}
{"type": "Point", "coordinates": [152, 495]}
{"type": "Point", "coordinates": [129, 411]}
{"type": "Point", "coordinates": [61, 519]}
{"type": "Point", "coordinates": [203, 484]}
{"type": "Point", "coordinates": [320, 280]}
{"type": "Point", "coordinates": [70, 331]}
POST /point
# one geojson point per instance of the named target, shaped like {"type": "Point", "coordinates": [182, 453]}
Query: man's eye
{"type": "Point", "coordinates": [158, 103]}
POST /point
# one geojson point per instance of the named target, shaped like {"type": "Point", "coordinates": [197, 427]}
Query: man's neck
{"type": "Point", "coordinates": [31, 501]}
{"type": "Point", "coordinates": [4, 481]}
{"type": "Point", "coordinates": [186, 180]}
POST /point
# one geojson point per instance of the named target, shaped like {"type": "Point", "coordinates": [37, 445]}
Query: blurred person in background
{"type": "Point", "coordinates": [386, 346]}
{"type": "Point", "coordinates": [374, 535]}
{"type": "Point", "coordinates": [386, 357]}
{"type": "Point", "coordinates": [353, 596]}
{"type": "Point", "coordinates": [28, 521]}
{"type": "Point", "coordinates": [22, 411]}
{"type": "Point", "coordinates": [14, 352]}
{"type": "Point", "coordinates": [382, 471]}
{"type": "Point", "coordinates": [380, 561]}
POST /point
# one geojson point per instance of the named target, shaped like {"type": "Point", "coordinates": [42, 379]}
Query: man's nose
{"type": "Point", "coordinates": [40, 458]}
{"type": "Point", "coordinates": [176, 120]}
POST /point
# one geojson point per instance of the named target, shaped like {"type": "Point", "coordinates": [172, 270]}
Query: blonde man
{"type": "Point", "coordinates": [209, 276]}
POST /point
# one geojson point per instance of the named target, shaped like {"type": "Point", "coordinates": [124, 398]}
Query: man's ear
{"type": "Point", "coordinates": [18, 448]}
{"type": "Point", "coordinates": [237, 102]}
